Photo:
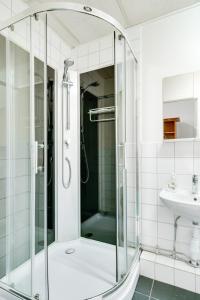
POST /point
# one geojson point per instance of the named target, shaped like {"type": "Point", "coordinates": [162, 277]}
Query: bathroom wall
{"type": "Point", "coordinates": [158, 163]}
{"type": "Point", "coordinates": [169, 46]}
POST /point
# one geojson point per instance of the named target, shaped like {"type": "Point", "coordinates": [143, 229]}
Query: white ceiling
{"type": "Point", "coordinates": [81, 28]}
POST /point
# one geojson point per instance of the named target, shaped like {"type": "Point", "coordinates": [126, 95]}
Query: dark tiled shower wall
{"type": "Point", "coordinates": [90, 190]}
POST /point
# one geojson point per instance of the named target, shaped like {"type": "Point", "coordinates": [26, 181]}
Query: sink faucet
{"type": "Point", "coordinates": [195, 184]}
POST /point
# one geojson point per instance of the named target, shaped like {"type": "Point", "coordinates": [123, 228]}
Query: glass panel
{"type": "Point", "coordinates": [38, 59]}
{"type": "Point", "coordinates": [97, 154]}
{"type": "Point", "coordinates": [94, 62]}
{"type": "Point", "coordinates": [16, 159]}
{"type": "Point", "coordinates": [131, 154]}
{"type": "Point", "coordinates": [120, 155]}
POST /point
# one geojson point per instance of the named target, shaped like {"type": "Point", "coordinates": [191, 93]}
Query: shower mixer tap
{"type": "Point", "coordinates": [66, 85]}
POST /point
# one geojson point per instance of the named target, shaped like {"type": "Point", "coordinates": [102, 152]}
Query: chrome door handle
{"type": "Point", "coordinates": [38, 147]}
{"type": "Point", "coordinates": [67, 185]}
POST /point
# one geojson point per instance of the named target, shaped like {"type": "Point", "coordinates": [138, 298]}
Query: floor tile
{"type": "Point", "coordinates": [185, 295]}
{"type": "Point", "coordinates": [144, 285]}
{"type": "Point", "coordinates": [138, 296]}
{"type": "Point", "coordinates": [163, 291]}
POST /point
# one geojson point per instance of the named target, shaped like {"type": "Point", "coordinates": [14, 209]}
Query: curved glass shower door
{"type": "Point", "coordinates": [126, 155]}
{"type": "Point", "coordinates": [22, 159]}
{"type": "Point", "coordinates": [16, 159]}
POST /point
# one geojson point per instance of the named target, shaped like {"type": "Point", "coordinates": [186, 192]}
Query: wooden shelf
{"type": "Point", "coordinates": [170, 128]}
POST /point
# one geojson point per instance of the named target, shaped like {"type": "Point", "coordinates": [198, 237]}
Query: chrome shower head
{"type": "Point", "coordinates": [67, 64]}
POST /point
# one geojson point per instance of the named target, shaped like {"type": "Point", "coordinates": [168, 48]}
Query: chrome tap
{"type": "Point", "coordinates": [195, 184]}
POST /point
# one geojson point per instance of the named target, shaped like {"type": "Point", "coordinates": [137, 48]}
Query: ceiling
{"type": "Point", "coordinates": [81, 29]}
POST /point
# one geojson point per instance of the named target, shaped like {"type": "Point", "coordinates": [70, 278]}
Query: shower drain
{"type": "Point", "coordinates": [70, 251]}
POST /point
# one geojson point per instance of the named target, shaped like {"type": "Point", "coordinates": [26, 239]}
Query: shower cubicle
{"type": "Point", "coordinates": [68, 158]}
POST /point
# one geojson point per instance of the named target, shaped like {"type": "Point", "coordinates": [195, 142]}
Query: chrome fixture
{"type": "Point", "coordinates": [83, 148]}
{"type": "Point", "coordinates": [175, 236]}
{"type": "Point", "coordinates": [195, 181]}
{"type": "Point", "coordinates": [66, 85]}
{"type": "Point", "coordinates": [102, 110]}
{"type": "Point", "coordinates": [70, 251]}
{"type": "Point", "coordinates": [87, 8]}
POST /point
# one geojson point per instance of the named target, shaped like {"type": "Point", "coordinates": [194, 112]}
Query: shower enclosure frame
{"type": "Point", "coordinates": [79, 8]}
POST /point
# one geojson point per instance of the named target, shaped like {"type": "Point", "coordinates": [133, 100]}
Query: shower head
{"type": "Point", "coordinates": [67, 63]}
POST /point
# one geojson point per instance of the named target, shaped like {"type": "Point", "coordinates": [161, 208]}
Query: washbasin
{"type": "Point", "coordinates": [183, 203]}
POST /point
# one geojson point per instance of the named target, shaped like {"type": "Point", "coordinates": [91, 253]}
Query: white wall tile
{"type": "Point", "coordinates": [165, 231]}
{"type": "Point", "coordinates": [149, 196]}
{"type": "Point", "coordinates": [166, 150]}
{"type": "Point", "coordinates": [166, 165]}
{"type": "Point", "coordinates": [106, 42]}
{"type": "Point", "coordinates": [83, 62]}
{"type": "Point", "coordinates": [149, 150]}
{"type": "Point", "coordinates": [165, 244]}
{"type": "Point", "coordinates": [94, 59]}
{"type": "Point", "coordinates": [149, 212]}
{"type": "Point", "coordinates": [94, 46]}
{"type": "Point", "coordinates": [106, 56]}
{"type": "Point", "coordinates": [184, 149]}
{"type": "Point", "coordinates": [196, 165]}
{"type": "Point", "coordinates": [83, 50]}
{"type": "Point", "coordinates": [147, 268]}
{"type": "Point", "coordinates": [148, 165]}
{"type": "Point", "coordinates": [198, 284]}
{"type": "Point", "coordinates": [163, 180]}
{"type": "Point", "coordinates": [184, 165]}
{"type": "Point", "coordinates": [164, 273]}
{"type": "Point", "coordinates": [184, 181]}
{"type": "Point", "coordinates": [148, 256]}
{"type": "Point", "coordinates": [184, 234]}
{"type": "Point", "coordinates": [196, 149]}
{"type": "Point", "coordinates": [149, 181]}
{"type": "Point", "coordinates": [184, 280]}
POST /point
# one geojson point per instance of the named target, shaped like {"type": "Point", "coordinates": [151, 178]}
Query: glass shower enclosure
{"type": "Point", "coordinates": [24, 154]}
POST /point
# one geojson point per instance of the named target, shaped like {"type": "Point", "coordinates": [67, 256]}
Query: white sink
{"type": "Point", "coordinates": [183, 203]}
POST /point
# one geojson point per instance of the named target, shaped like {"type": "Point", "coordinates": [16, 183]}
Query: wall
{"type": "Point", "coordinates": [170, 46]}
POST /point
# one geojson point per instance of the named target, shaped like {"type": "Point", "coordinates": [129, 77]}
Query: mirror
{"type": "Point", "coordinates": [180, 106]}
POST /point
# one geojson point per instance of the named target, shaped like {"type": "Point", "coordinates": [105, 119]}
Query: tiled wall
{"type": "Point", "coordinates": [170, 271]}
{"type": "Point", "coordinates": [158, 163]}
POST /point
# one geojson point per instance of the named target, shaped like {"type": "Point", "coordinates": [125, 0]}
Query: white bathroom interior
{"type": "Point", "coordinates": [100, 149]}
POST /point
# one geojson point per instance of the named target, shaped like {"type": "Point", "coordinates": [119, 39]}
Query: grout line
{"type": "Point", "coordinates": [136, 292]}
{"type": "Point", "coordinates": [151, 289]}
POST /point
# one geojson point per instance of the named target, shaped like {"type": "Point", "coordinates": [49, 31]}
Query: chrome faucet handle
{"type": "Point", "coordinates": [195, 178]}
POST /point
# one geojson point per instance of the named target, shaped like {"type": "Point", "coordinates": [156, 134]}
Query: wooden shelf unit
{"type": "Point", "coordinates": [170, 130]}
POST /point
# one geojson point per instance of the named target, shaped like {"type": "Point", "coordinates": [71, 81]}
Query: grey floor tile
{"type": "Point", "coordinates": [144, 285]}
{"type": "Point", "coordinates": [185, 295]}
{"type": "Point", "coordinates": [138, 296]}
{"type": "Point", "coordinates": [164, 291]}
